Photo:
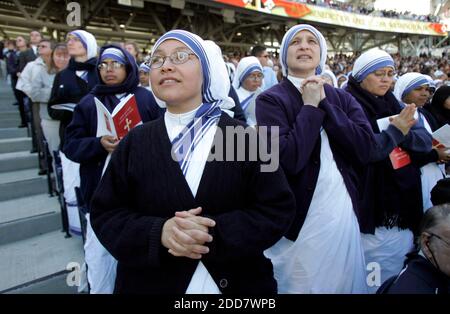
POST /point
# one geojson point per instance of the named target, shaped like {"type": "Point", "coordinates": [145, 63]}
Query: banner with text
{"type": "Point", "coordinates": [335, 17]}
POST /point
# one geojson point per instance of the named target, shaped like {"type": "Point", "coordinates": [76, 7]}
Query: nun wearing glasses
{"type": "Point", "coordinates": [323, 133]}
{"type": "Point", "coordinates": [414, 88]}
{"type": "Point", "coordinates": [177, 220]}
{"type": "Point", "coordinates": [248, 83]}
{"type": "Point", "coordinates": [390, 191]}
{"type": "Point", "coordinates": [118, 75]}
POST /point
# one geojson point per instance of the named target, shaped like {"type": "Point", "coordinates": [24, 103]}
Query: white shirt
{"type": "Point", "coordinates": [201, 281]}
{"type": "Point", "coordinates": [297, 81]}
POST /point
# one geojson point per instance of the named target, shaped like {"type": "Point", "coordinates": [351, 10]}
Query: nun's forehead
{"type": "Point", "coordinates": [71, 36]}
{"type": "Point", "coordinates": [171, 44]}
{"type": "Point", "coordinates": [298, 34]}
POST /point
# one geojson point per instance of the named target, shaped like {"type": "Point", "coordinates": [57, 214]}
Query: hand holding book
{"type": "Point", "coordinates": [109, 143]}
{"type": "Point", "coordinates": [404, 121]}
{"type": "Point", "coordinates": [112, 127]}
{"type": "Point", "coordinates": [443, 155]}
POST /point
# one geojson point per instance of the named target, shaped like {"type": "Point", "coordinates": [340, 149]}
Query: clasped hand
{"type": "Point", "coordinates": [186, 233]}
{"type": "Point", "coordinates": [312, 90]}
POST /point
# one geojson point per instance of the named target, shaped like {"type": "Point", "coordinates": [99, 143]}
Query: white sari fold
{"type": "Point", "coordinates": [327, 256]}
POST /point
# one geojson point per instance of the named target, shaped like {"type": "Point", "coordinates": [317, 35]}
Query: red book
{"type": "Point", "coordinates": [441, 137]}
{"type": "Point", "coordinates": [124, 117]}
{"type": "Point", "coordinates": [437, 144]}
{"type": "Point", "coordinates": [399, 158]}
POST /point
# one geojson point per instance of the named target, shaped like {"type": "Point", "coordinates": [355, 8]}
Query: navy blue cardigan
{"type": "Point", "coordinates": [81, 143]}
{"type": "Point", "coordinates": [144, 186]}
{"type": "Point", "coordinates": [350, 135]}
{"type": "Point", "coordinates": [69, 88]}
{"type": "Point", "coordinates": [390, 198]}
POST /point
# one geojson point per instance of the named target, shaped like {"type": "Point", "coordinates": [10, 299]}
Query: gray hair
{"type": "Point", "coordinates": [434, 216]}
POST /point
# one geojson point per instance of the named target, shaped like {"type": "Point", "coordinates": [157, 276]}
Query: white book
{"type": "Point", "coordinates": [442, 135]}
{"type": "Point", "coordinates": [124, 117]}
{"type": "Point", "coordinates": [383, 123]}
{"type": "Point", "coordinates": [68, 106]}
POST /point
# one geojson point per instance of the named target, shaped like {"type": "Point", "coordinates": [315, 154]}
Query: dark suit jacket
{"type": "Point", "coordinates": [418, 277]}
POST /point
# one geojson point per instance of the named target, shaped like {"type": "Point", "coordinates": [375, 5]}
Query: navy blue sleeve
{"type": "Point", "coordinates": [386, 141]}
{"type": "Point", "coordinates": [57, 96]}
{"type": "Point", "coordinates": [237, 109]}
{"type": "Point", "coordinates": [348, 127]}
{"type": "Point", "coordinates": [417, 140]}
{"type": "Point", "coordinates": [81, 144]}
{"type": "Point", "coordinates": [422, 159]}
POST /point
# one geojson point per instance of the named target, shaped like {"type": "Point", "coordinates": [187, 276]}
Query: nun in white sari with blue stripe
{"type": "Point", "coordinates": [249, 82]}
{"type": "Point", "coordinates": [321, 128]}
{"type": "Point", "coordinates": [390, 198]}
{"type": "Point", "coordinates": [173, 208]}
{"type": "Point", "coordinates": [414, 88]}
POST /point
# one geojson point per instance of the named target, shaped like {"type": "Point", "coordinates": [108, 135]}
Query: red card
{"type": "Point", "coordinates": [437, 144]}
{"type": "Point", "coordinates": [399, 158]}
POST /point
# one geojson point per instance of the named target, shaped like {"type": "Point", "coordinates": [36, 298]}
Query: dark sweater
{"type": "Point", "coordinates": [390, 198]}
{"type": "Point", "coordinates": [237, 109]}
{"type": "Point", "coordinates": [25, 57]}
{"type": "Point", "coordinates": [82, 145]}
{"type": "Point", "coordinates": [143, 187]}
{"type": "Point", "coordinates": [69, 88]}
{"type": "Point", "coordinates": [421, 159]}
{"type": "Point", "coordinates": [12, 63]}
{"type": "Point", "coordinates": [436, 107]}
{"type": "Point", "coordinates": [349, 133]}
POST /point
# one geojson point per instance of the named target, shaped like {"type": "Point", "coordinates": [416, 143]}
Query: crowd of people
{"type": "Point", "coordinates": [341, 65]}
{"type": "Point", "coordinates": [179, 206]}
{"type": "Point", "coordinates": [370, 10]}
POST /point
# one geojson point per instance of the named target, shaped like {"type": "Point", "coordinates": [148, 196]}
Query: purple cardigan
{"type": "Point", "coordinates": [349, 132]}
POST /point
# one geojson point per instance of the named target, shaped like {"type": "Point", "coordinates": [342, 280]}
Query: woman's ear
{"type": "Point", "coordinates": [425, 242]}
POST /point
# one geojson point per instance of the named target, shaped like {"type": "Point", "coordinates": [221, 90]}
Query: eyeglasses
{"type": "Point", "coordinates": [106, 66]}
{"type": "Point", "coordinates": [381, 74]}
{"type": "Point", "coordinates": [256, 77]}
{"type": "Point", "coordinates": [440, 238]}
{"type": "Point", "coordinates": [72, 38]}
{"type": "Point", "coordinates": [178, 57]}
